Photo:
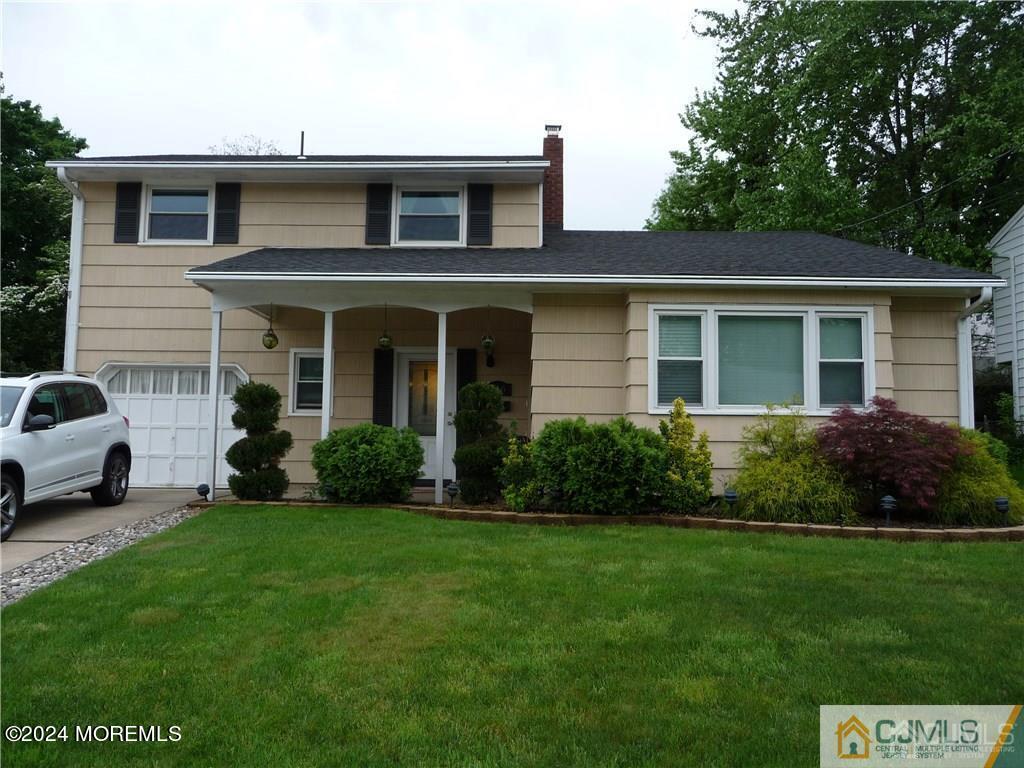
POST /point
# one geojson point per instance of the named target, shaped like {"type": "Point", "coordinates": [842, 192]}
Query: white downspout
{"type": "Point", "coordinates": [74, 270]}
{"type": "Point", "coordinates": [965, 358]}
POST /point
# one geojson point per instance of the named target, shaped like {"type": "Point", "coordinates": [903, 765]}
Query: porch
{"type": "Point", "coordinates": [341, 355]}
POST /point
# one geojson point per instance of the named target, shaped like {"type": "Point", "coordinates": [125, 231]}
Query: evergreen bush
{"type": "Point", "coordinates": [257, 456]}
{"type": "Point", "coordinates": [368, 463]}
{"type": "Point", "coordinates": [480, 441]}
{"type": "Point", "coordinates": [688, 484]}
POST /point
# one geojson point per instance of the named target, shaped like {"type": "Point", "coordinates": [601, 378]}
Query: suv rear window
{"type": "Point", "coordinates": [81, 400]}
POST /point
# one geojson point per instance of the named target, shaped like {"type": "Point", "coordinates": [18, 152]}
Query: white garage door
{"type": "Point", "coordinates": [168, 410]}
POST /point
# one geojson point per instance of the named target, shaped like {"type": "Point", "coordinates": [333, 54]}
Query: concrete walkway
{"type": "Point", "coordinates": [50, 525]}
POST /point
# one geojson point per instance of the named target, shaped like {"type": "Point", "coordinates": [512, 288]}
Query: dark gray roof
{"type": "Point", "coordinates": [581, 252]}
{"type": "Point", "coordinates": [306, 159]}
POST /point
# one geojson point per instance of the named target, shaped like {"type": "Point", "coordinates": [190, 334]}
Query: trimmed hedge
{"type": "Point", "coordinates": [368, 463]}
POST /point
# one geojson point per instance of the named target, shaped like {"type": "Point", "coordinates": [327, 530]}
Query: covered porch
{"type": "Point", "coordinates": [348, 352]}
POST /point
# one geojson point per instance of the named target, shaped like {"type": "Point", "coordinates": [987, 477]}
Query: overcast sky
{"type": "Point", "coordinates": [388, 78]}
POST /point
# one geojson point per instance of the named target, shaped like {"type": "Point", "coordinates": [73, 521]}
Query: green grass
{"type": "Point", "coordinates": [310, 636]}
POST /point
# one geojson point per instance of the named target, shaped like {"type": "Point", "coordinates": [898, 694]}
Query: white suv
{"type": "Point", "coordinates": [59, 433]}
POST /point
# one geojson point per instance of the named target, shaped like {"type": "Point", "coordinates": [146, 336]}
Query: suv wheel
{"type": "Point", "coordinates": [114, 487]}
{"type": "Point", "coordinates": [10, 502]}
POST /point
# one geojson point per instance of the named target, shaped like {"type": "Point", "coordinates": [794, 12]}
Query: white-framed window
{"type": "Point", "coordinates": [306, 382]}
{"type": "Point", "coordinates": [735, 359]}
{"type": "Point", "coordinates": [170, 380]}
{"type": "Point", "coordinates": [177, 214]}
{"type": "Point", "coordinates": [428, 216]}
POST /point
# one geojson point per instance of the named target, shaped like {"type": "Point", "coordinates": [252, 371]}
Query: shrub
{"type": "Point", "coordinates": [481, 442]}
{"type": "Point", "coordinates": [368, 463]}
{"type": "Point", "coordinates": [520, 487]}
{"type": "Point", "coordinates": [996, 448]}
{"type": "Point", "coordinates": [551, 455]}
{"type": "Point", "coordinates": [967, 494]}
{"type": "Point", "coordinates": [883, 450]}
{"type": "Point", "coordinates": [1008, 429]}
{"type": "Point", "coordinates": [257, 456]}
{"type": "Point", "coordinates": [782, 478]}
{"type": "Point", "coordinates": [688, 482]}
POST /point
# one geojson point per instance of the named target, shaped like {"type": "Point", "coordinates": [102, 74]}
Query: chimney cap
{"type": "Point", "coordinates": [552, 129]}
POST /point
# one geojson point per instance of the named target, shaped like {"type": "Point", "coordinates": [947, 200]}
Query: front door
{"type": "Point", "coordinates": [416, 406]}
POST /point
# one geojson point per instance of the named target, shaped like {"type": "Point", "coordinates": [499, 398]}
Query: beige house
{"type": "Point", "coordinates": [369, 288]}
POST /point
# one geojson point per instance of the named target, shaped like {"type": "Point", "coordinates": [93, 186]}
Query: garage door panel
{"type": "Point", "coordinates": [161, 441]}
{"type": "Point", "coordinates": [186, 440]}
{"type": "Point", "coordinates": [139, 410]}
{"type": "Point", "coordinates": [160, 470]}
{"type": "Point", "coordinates": [188, 410]}
{"type": "Point", "coordinates": [162, 411]}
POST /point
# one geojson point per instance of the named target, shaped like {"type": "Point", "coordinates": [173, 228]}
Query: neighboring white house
{"type": "Point", "coordinates": [1008, 306]}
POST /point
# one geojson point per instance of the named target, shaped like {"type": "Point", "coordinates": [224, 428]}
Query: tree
{"type": "Point", "coordinates": [249, 144]}
{"type": "Point", "coordinates": [896, 124]}
{"type": "Point", "coordinates": [36, 214]}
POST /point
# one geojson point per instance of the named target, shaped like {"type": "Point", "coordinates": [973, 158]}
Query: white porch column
{"type": "Point", "coordinates": [214, 402]}
{"type": "Point", "coordinates": [442, 360]}
{"type": "Point", "coordinates": [328, 392]}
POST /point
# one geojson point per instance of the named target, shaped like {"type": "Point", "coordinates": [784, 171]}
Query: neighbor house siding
{"type": "Point", "coordinates": [578, 356]}
{"type": "Point", "coordinates": [925, 355]}
{"type": "Point", "coordinates": [725, 432]}
{"type": "Point", "coordinates": [1008, 302]}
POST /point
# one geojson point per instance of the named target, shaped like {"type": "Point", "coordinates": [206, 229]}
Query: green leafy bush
{"type": "Point", "coordinates": [551, 455]}
{"type": "Point", "coordinates": [996, 448]}
{"type": "Point", "coordinates": [519, 485]}
{"type": "Point", "coordinates": [613, 468]}
{"type": "Point", "coordinates": [257, 456]}
{"type": "Point", "coordinates": [368, 463]}
{"type": "Point", "coordinates": [967, 494]}
{"type": "Point", "coordinates": [688, 482]}
{"type": "Point", "coordinates": [481, 442]}
{"type": "Point", "coordinates": [781, 477]}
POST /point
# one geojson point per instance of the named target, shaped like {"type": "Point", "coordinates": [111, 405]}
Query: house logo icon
{"type": "Point", "coordinates": [853, 740]}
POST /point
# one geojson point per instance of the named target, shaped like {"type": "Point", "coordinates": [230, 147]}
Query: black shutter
{"type": "Point", "coordinates": [383, 386]}
{"type": "Point", "coordinates": [225, 213]}
{"type": "Point", "coordinates": [378, 214]}
{"type": "Point", "coordinates": [127, 212]}
{"type": "Point", "coordinates": [478, 230]}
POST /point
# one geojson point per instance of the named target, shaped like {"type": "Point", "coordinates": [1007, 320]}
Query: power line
{"type": "Point", "coordinates": [922, 197]}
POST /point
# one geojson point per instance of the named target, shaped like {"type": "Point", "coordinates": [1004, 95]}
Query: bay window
{"type": "Point", "coordinates": [737, 359]}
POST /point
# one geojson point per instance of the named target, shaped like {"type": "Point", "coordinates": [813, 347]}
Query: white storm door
{"type": "Point", "coordinates": [416, 406]}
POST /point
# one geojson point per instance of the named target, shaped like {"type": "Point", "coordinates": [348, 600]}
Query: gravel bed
{"type": "Point", "coordinates": [20, 581]}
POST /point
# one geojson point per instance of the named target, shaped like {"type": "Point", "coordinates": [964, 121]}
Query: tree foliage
{"type": "Point", "coordinates": [36, 213]}
{"type": "Point", "coordinates": [829, 114]}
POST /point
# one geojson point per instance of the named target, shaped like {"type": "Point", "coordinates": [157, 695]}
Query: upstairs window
{"type": "Point", "coordinates": [429, 216]}
{"type": "Point", "coordinates": [178, 214]}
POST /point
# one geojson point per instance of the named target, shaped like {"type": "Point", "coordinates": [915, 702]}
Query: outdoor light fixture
{"type": "Point", "coordinates": [203, 490]}
{"type": "Point", "coordinates": [453, 491]}
{"type": "Point", "coordinates": [1003, 507]}
{"type": "Point", "coordinates": [384, 341]}
{"type": "Point", "coordinates": [270, 338]}
{"type": "Point", "coordinates": [888, 505]}
{"type": "Point", "coordinates": [487, 342]}
{"type": "Point", "coordinates": [731, 497]}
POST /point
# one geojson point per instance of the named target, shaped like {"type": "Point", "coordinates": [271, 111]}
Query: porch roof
{"type": "Point", "coordinates": [582, 255]}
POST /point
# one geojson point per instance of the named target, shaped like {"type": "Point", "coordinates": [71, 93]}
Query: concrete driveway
{"type": "Point", "coordinates": [50, 525]}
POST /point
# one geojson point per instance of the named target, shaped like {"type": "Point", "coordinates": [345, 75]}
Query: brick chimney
{"type": "Point", "coordinates": [553, 178]}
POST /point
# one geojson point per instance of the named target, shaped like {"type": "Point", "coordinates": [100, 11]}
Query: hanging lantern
{"type": "Point", "coordinates": [270, 339]}
{"type": "Point", "coordinates": [384, 341]}
{"type": "Point", "coordinates": [487, 342]}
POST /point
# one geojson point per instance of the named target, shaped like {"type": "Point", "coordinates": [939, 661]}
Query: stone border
{"type": "Point", "coordinates": [1015, 533]}
{"type": "Point", "coordinates": [35, 574]}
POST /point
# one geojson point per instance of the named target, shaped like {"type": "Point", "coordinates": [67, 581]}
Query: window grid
{"type": "Point", "coordinates": [305, 382]}
{"type": "Point", "coordinates": [861, 361]}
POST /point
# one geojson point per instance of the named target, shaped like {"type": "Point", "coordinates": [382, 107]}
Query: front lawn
{"type": "Point", "coordinates": [311, 636]}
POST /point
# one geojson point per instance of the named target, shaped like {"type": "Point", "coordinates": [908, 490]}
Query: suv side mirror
{"type": "Point", "coordinates": [39, 422]}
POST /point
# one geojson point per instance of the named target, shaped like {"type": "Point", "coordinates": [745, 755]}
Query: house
{"type": "Point", "coordinates": [1008, 305]}
{"type": "Point", "coordinates": [370, 288]}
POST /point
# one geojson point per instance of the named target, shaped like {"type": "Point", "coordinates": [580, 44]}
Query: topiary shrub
{"type": "Point", "coordinates": [368, 463]}
{"type": "Point", "coordinates": [519, 485]}
{"type": "Point", "coordinates": [257, 456]}
{"type": "Point", "coordinates": [688, 482]}
{"type": "Point", "coordinates": [967, 494]}
{"type": "Point", "coordinates": [781, 477]}
{"type": "Point", "coordinates": [481, 442]}
{"type": "Point", "coordinates": [883, 450]}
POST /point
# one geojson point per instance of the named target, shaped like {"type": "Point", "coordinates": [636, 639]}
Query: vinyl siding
{"type": "Point", "coordinates": [925, 357]}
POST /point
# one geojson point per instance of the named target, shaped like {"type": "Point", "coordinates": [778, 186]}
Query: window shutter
{"type": "Point", "coordinates": [383, 386]}
{"type": "Point", "coordinates": [227, 202]}
{"type": "Point", "coordinates": [378, 214]}
{"type": "Point", "coordinates": [478, 229]}
{"type": "Point", "coordinates": [127, 211]}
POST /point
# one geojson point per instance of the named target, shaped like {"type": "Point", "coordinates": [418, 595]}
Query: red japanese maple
{"type": "Point", "coordinates": [882, 449]}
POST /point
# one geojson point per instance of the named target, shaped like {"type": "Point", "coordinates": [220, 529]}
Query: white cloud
{"type": "Point", "coordinates": [439, 77]}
